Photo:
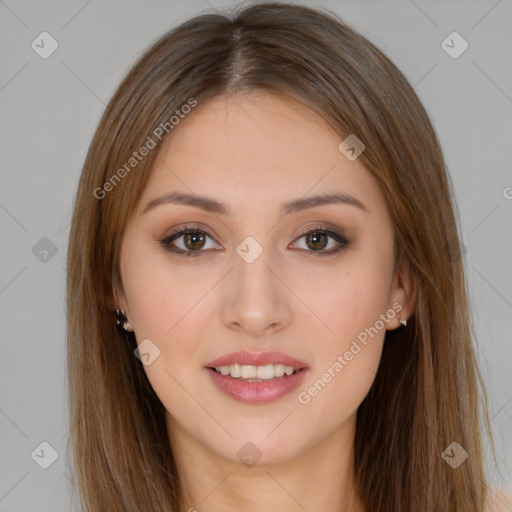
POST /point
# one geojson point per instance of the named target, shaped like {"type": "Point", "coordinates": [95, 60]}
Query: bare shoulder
{"type": "Point", "coordinates": [500, 500]}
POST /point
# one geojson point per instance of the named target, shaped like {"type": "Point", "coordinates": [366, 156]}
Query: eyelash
{"type": "Point", "coordinates": [166, 242]}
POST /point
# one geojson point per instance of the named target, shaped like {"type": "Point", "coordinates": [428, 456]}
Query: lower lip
{"type": "Point", "coordinates": [257, 392]}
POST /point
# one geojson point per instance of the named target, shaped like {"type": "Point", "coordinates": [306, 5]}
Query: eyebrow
{"type": "Point", "coordinates": [212, 206]}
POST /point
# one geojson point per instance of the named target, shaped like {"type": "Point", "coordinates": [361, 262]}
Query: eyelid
{"type": "Point", "coordinates": [190, 227]}
{"type": "Point", "coordinates": [322, 226]}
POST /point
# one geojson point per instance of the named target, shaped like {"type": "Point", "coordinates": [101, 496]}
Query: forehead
{"type": "Point", "coordinates": [254, 150]}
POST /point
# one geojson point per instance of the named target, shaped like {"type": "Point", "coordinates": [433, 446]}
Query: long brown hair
{"type": "Point", "coordinates": [426, 392]}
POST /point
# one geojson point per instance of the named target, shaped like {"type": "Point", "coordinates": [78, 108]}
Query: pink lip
{"type": "Point", "coordinates": [257, 392]}
{"type": "Point", "coordinates": [261, 359]}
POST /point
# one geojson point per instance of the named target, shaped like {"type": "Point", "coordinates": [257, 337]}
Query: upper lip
{"type": "Point", "coordinates": [260, 359]}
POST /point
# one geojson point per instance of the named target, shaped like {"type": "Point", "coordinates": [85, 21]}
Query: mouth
{"type": "Point", "coordinates": [257, 383]}
{"type": "Point", "coordinates": [253, 373]}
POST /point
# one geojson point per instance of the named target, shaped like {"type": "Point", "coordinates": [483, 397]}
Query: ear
{"type": "Point", "coordinates": [403, 291]}
{"type": "Point", "coordinates": [116, 297]}
{"type": "Point", "coordinates": [117, 300]}
{"type": "Point", "coordinates": [111, 299]}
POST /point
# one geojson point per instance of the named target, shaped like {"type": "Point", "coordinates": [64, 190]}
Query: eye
{"type": "Point", "coordinates": [317, 240]}
{"type": "Point", "coordinates": [194, 240]}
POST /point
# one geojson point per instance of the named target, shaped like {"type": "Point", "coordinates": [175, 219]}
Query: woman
{"type": "Point", "coordinates": [266, 210]}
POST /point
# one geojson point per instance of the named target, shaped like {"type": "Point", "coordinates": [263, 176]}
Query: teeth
{"type": "Point", "coordinates": [233, 370]}
{"type": "Point", "coordinates": [248, 372]}
{"type": "Point", "coordinates": [279, 370]}
{"type": "Point", "coordinates": [266, 372]}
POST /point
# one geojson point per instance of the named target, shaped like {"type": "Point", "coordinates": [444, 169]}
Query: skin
{"type": "Point", "coordinates": [254, 152]}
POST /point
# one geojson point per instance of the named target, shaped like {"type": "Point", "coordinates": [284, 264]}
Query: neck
{"type": "Point", "coordinates": [318, 478]}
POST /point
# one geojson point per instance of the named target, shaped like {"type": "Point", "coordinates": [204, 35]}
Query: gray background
{"type": "Point", "coordinates": [50, 107]}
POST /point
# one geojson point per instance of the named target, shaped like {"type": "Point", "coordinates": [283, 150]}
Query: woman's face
{"type": "Point", "coordinates": [250, 280]}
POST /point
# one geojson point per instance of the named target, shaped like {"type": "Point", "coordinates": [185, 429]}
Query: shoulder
{"type": "Point", "coordinates": [500, 500]}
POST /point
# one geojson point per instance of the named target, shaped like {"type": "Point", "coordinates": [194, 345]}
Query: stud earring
{"type": "Point", "coordinates": [123, 321]}
{"type": "Point", "coordinates": [402, 322]}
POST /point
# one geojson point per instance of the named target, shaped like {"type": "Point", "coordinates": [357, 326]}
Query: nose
{"type": "Point", "coordinates": [258, 301]}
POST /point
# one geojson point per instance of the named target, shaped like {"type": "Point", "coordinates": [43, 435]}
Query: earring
{"type": "Point", "coordinates": [402, 322]}
{"type": "Point", "coordinates": [123, 321]}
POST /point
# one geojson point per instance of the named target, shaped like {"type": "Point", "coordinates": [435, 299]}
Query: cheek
{"type": "Point", "coordinates": [348, 297]}
{"type": "Point", "coordinates": [167, 306]}
{"type": "Point", "coordinates": [347, 361]}
{"type": "Point", "coordinates": [162, 294]}
{"type": "Point", "coordinates": [346, 365]}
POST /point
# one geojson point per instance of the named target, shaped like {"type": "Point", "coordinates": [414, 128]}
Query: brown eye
{"type": "Point", "coordinates": [194, 243]}
{"type": "Point", "coordinates": [194, 240]}
{"type": "Point", "coordinates": [316, 240]}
